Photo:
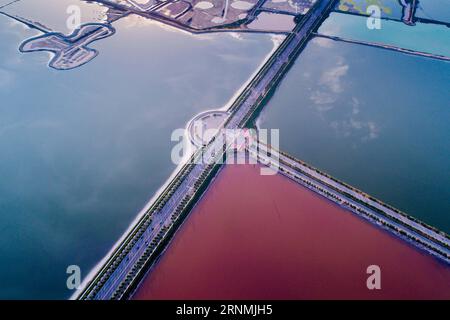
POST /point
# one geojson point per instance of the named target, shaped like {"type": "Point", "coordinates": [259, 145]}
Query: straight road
{"type": "Point", "coordinates": [106, 284]}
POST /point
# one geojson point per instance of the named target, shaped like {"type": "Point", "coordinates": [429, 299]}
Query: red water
{"type": "Point", "coordinates": [265, 237]}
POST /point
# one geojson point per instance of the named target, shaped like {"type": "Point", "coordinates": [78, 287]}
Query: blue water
{"type": "Point", "coordinates": [82, 151]}
{"type": "Point", "coordinates": [55, 15]}
{"type": "Point", "coordinates": [376, 119]}
{"type": "Point", "coordinates": [422, 37]}
{"type": "Point", "coordinates": [390, 9]}
{"type": "Point", "coordinates": [438, 10]}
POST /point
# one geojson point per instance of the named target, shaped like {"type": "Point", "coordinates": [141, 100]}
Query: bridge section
{"type": "Point", "coordinates": [127, 264]}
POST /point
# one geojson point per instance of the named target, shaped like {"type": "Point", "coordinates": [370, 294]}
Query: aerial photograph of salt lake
{"type": "Point", "coordinates": [201, 150]}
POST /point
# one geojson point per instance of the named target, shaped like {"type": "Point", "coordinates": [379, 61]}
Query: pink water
{"type": "Point", "coordinates": [265, 237]}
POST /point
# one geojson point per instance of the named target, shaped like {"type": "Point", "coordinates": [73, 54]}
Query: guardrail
{"type": "Point", "coordinates": [417, 228]}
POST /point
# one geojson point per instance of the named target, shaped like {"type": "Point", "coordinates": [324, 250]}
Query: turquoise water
{"type": "Point", "coordinates": [422, 37]}
{"type": "Point", "coordinates": [82, 151]}
{"type": "Point", "coordinates": [373, 118]}
{"type": "Point", "coordinates": [390, 9]}
{"type": "Point", "coordinates": [438, 10]}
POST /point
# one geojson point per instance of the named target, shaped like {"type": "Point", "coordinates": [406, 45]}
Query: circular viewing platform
{"type": "Point", "coordinates": [205, 126]}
